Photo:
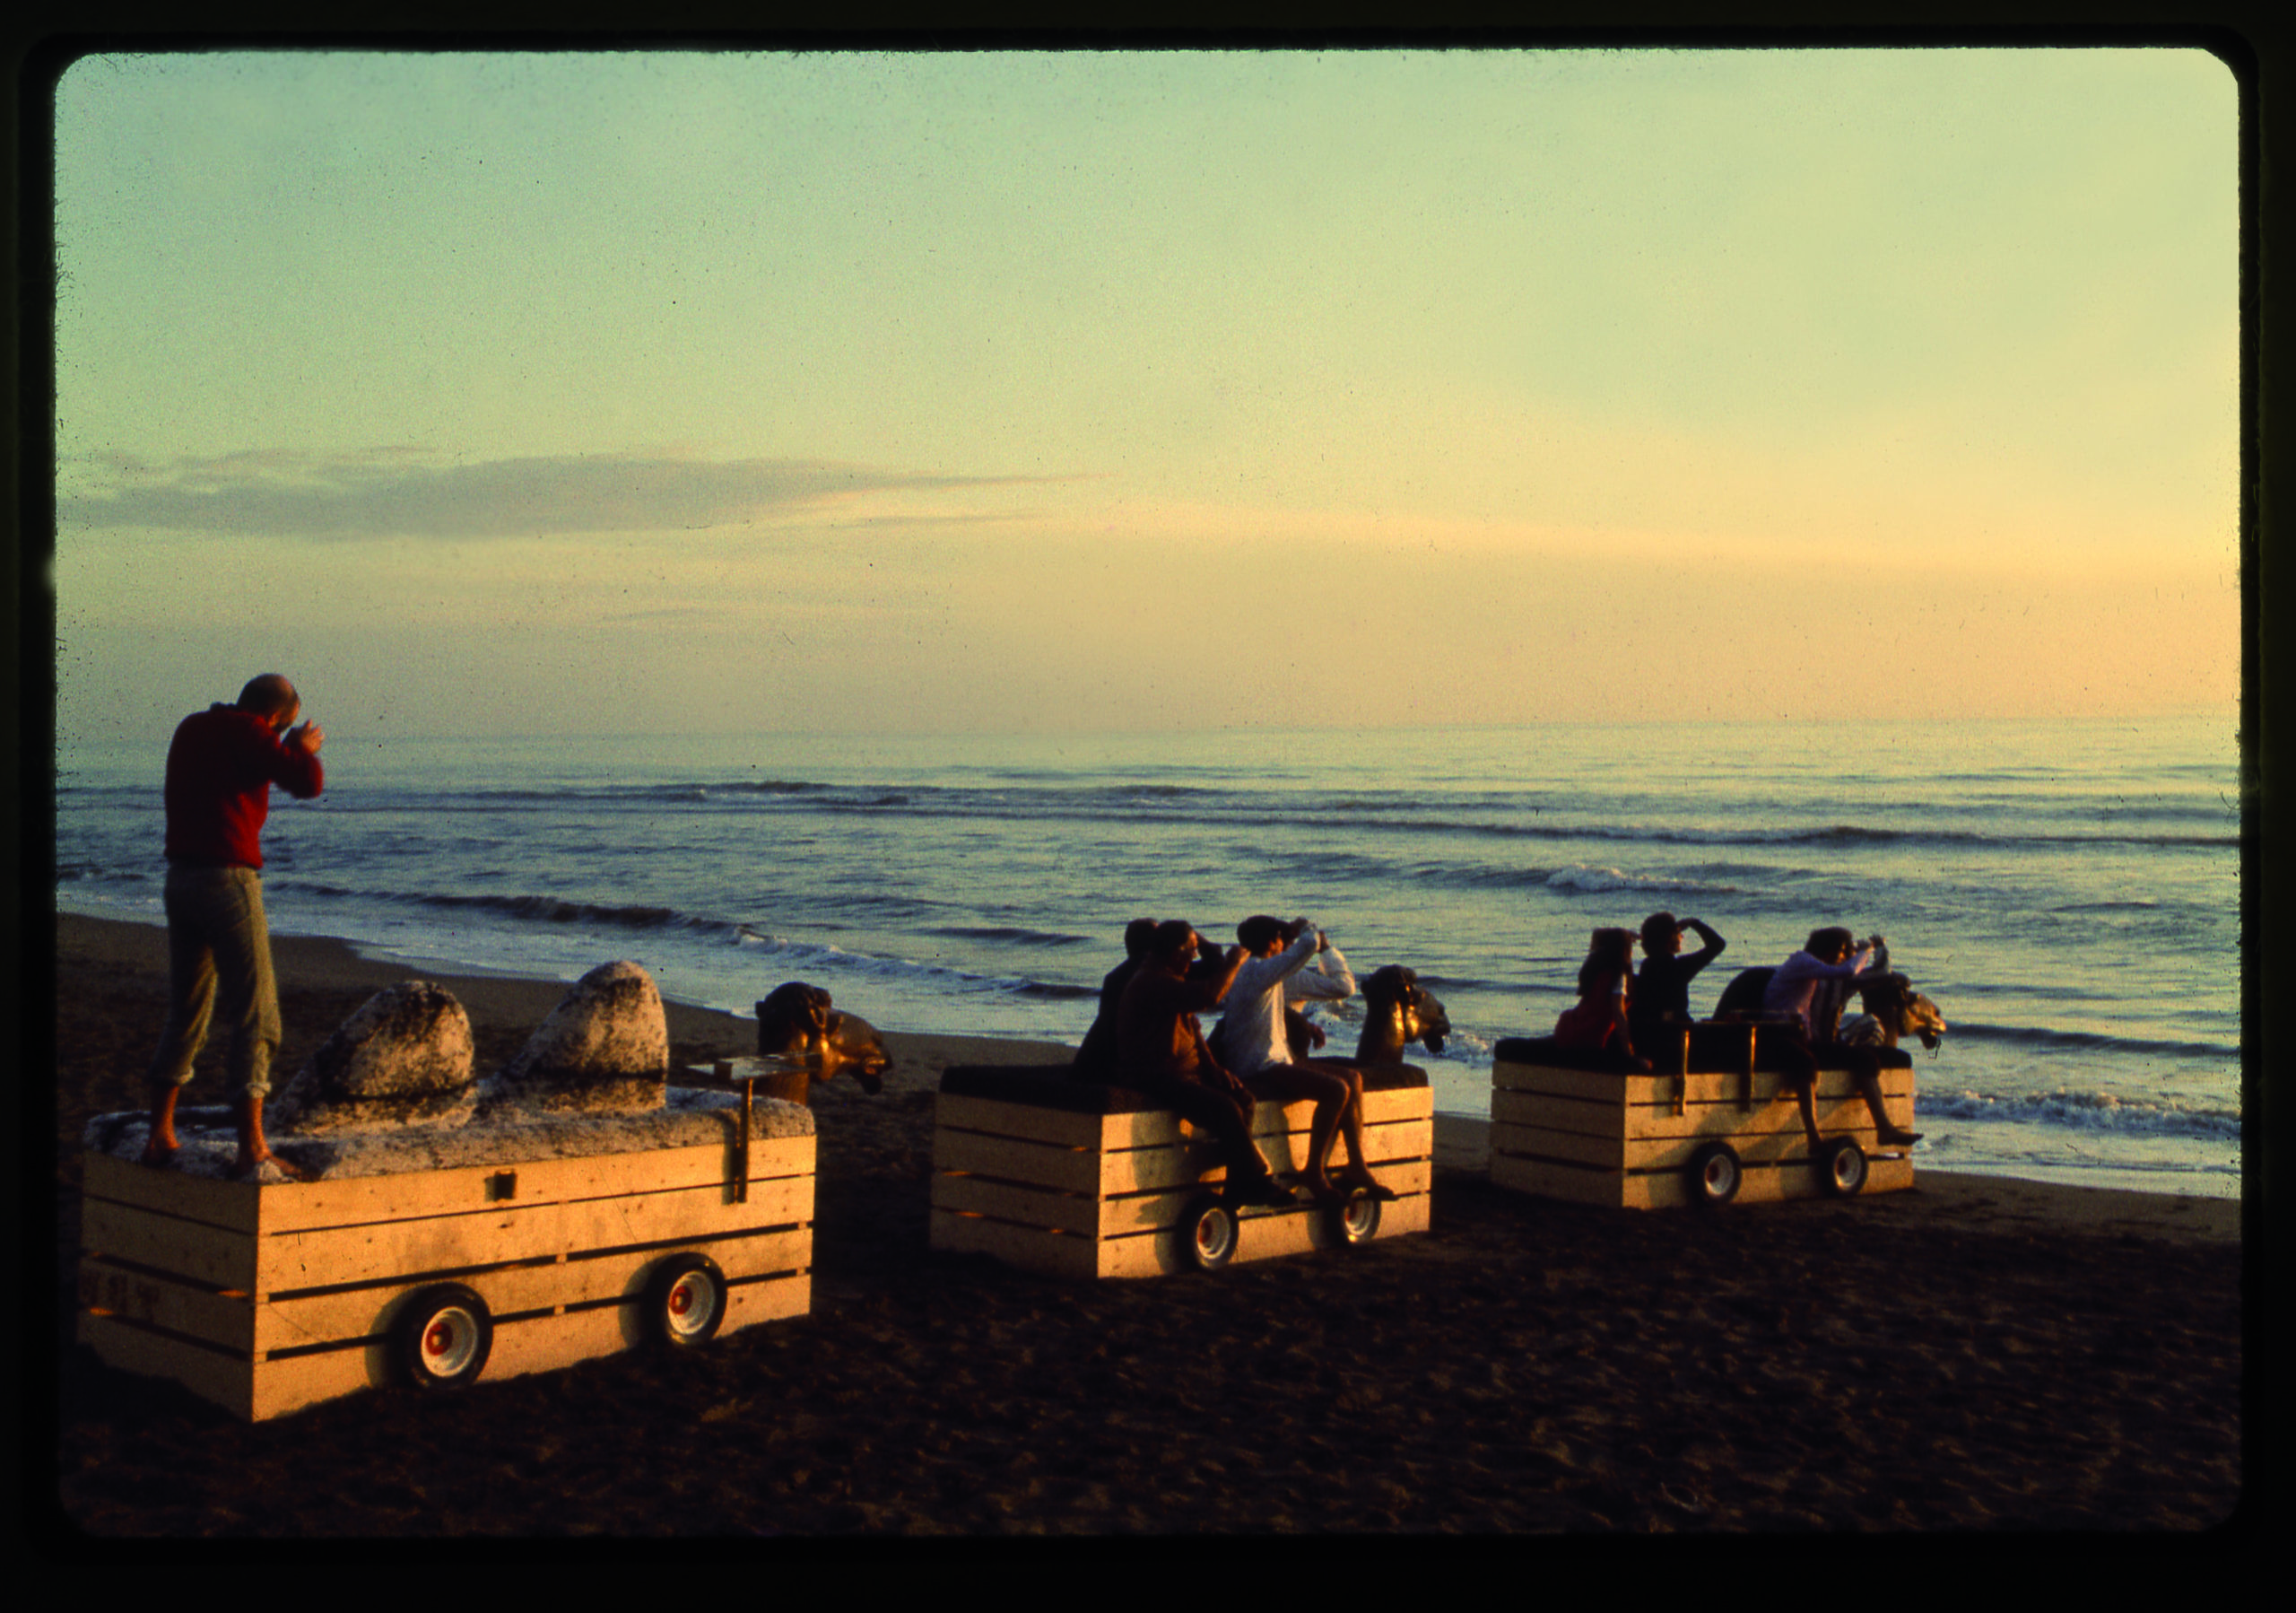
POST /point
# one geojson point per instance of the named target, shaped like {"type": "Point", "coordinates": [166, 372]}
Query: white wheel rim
{"type": "Point", "coordinates": [692, 1301]}
{"type": "Point", "coordinates": [1720, 1175]}
{"type": "Point", "coordinates": [1357, 1219]}
{"type": "Point", "coordinates": [449, 1342]}
{"type": "Point", "coordinates": [1848, 1170]}
{"type": "Point", "coordinates": [1212, 1236]}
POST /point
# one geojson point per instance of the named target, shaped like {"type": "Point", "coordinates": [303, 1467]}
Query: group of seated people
{"type": "Point", "coordinates": [1619, 1009]}
{"type": "Point", "coordinates": [1148, 1037]}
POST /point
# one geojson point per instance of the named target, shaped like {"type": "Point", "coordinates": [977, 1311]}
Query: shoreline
{"type": "Point", "coordinates": [505, 1001]}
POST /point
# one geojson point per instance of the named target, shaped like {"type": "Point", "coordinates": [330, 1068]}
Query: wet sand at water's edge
{"type": "Point", "coordinates": [1974, 1353]}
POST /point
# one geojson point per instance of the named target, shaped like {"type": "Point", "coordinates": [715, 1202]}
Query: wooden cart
{"type": "Point", "coordinates": [1718, 1128]}
{"type": "Point", "coordinates": [573, 1238]}
{"type": "Point", "coordinates": [1073, 1179]}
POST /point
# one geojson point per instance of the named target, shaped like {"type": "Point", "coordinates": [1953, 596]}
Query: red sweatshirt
{"type": "Point", "coordinates": [220, 769]}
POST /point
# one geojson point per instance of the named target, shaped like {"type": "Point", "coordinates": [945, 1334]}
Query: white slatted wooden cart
{"type": "Point", "coordinates": [264, 1298]}
{"type": "Point", "coordinates": [1714, 1129]}
{"type": "Point", "coordinates": [1072, 1179]}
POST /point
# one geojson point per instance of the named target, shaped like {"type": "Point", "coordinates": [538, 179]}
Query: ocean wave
{"type": "Point", "coordinates": [1574, 818]}
{"type": "Point", "coordinates": [556, 909]}
{"type": "Point", "coordinates": [2088, 1112]}
{"type": "Point", "coordinates": [2045, 1039]}
{"type": "Point", "coordinates": [1010, 932]}
{"type": "Point", "coordinates": [798, 956]}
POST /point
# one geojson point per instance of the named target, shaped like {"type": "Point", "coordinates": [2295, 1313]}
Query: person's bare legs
{"type": "Point", "coordinates": [1358, 1175]}
{"type": "Point", "coordinates": [1328, 1090]}
{"type": "Point", "coordinates": [247, 1115]}
{"type": "Point", "coordinates": [1885, 1131]}
{"type": "Point", "coordinates": [160, 1147]}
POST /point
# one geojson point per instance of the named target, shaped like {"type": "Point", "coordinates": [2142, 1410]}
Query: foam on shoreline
{"type": "Point", "coordinates": [1973, 1201]}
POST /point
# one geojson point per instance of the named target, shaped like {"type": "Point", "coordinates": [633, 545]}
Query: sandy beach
{"type": "Point", "coordinates": [1974, 1354]}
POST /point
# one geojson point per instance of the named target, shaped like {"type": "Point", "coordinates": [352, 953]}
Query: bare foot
{"type": "Point", "coordinates": [1361, 1180]}
{"type": "Point", "coordinates": [247, 1167]}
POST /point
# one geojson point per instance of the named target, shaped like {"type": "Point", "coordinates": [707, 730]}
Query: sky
{"type": "Point", "coordinates": [559, 394]}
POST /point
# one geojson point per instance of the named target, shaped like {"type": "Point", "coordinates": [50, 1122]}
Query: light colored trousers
{"type": "Point", "coordinates": [218, 940]}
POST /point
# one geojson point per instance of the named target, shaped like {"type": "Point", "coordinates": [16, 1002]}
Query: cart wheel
{"type": "Point", "coordinates": [685, 1300]}
{"type": "Point", "coordinates": [1715, 1174]}
{"type": "Point", "coordinates": [1208, 1230]}
{"type": "Point", "coordinates": [442, 1337]}
{"type": "Point", "coordinates": [1355, 1219]}
{"type": "Point", "coordinates": [1841, 1166]}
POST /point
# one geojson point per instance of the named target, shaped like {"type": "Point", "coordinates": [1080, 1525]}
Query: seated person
{"type": "Point", "coordinates": [1601, 1021]}
{"type": "Point", "coordinates": [1259, 1045]}
{"type": "Point", "coordinates": [1811, 987]}
{"type": "Point", "coordinates": [1661, 998]}
{"type": "Point", "coordinates": [1158, 1048]}
{"type": "Point", "coordinates": [1092, 1062]}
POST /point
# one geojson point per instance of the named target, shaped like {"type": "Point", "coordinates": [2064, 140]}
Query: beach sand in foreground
{"type": "Point", "coordinates": [1975, 1354]}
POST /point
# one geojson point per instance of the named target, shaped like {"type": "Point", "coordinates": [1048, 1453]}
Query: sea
{"type": "Point", "coordinates": [2068, 892]}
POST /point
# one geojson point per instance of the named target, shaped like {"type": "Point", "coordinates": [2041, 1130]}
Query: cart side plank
{"type": "Point", "coordinates": [1666, 1189]}
{"type": "Point", "coordinates": [1618, 1121]}
{"type": "Point", "coordinates": [1114, 1216]}
{"type": "Point", "coordinates": [1641, 1140]}
{"type": "Point", "coordinates": [1149, 1169]}
{"type": "Point", "coordinates": [1153, 1254]}
{"type": "Point", "coordinates": [1142, 1129]}
{"type": "Point", "coordinates": [236, 1321]}
{"type": "Point", "coordinates": [259, 1390]}
{"type": "Point", "coordinates": [1664, 1153]}
{"type": "Point", "coordinates": [349, 1201]}
{"type": "Point", "coordinates": [1703, 1086]}
{"type": "Point", "coordinates": [509, 1232]}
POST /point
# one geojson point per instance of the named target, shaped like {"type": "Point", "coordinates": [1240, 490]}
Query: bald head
{"type": "Point", "coordinates": [269, 695]}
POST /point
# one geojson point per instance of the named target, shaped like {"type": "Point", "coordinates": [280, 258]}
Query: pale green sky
{"type": "Point", "coordinates": [567, 393]}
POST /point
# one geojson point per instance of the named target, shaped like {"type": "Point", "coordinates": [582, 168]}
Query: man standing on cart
{"type": "Point", "coordinates": [221, 768]}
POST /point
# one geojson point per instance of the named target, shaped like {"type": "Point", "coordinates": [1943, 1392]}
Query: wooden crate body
{"type": "Point", "coordinates": [1627, 1139]}
{"type": "Point", "coordinates": [264, 1298]}
{"type": "Point", "coordinates": [1084, 1195]}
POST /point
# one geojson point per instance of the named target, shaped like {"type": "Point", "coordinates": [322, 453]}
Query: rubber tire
{"type": "Point", "coordinates": [1842, 1168]}
{"type": "Point", "coordinates": [1208, 1233]}
{"type": "Point", "coordinates": [1715, 1174]}
{"type": "Point", "coordinates": [420, 1348]}
{"type": "Point", "coordinates": [682, 1275]}
{"type": "Point", "coordinates": [1354, 1219]}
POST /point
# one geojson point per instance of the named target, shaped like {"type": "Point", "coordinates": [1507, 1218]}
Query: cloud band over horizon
{"type": "Point", "coordinates": [378, 494]}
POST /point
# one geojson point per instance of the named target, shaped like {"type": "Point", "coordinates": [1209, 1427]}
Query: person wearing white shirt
{"type": "Point", "coordinates": [1811, 986]}
{"type": "Point", "coordinates": [1257, 1046]}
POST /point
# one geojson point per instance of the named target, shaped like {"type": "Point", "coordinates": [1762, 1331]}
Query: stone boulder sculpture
{"type": "Point", "coordinates": [604, 1049]}
{"type": "Point", "coordinates": [402, 1059]}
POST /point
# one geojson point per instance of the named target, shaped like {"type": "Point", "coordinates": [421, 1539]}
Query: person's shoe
{"type": "Point", "coordinates": [1362, 1183]}
{"type": "Point", "coordinates": [1895, 1138]}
